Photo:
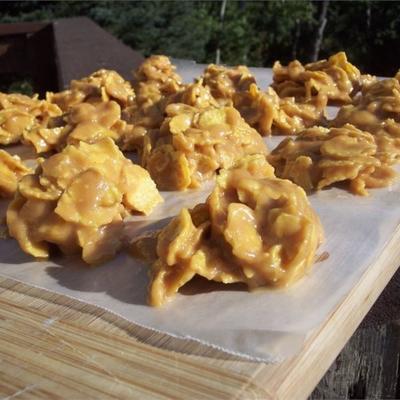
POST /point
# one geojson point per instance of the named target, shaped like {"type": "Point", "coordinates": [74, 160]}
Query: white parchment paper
{"type": "Point", "coordinates": [268, 325]}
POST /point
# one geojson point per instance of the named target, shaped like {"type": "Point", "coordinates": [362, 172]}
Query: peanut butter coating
{"type": "Point", "coordinates": [253, 228]}
{"type": "Point", "coordinates": [77, 200]}
{"type": "Point", "coordinates": [320, 157]}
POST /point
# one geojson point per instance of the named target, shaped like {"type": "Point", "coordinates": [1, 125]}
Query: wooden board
{"type": "Point", "coordinates": [54, 347]}
{"type": "Point", "coordinates": [366, 368]}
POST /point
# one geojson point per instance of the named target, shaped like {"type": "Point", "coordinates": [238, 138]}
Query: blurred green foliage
{"type": "Point", "coordinates": [12, 83]}
{"type": "Point", "coordinates": [253, 32]}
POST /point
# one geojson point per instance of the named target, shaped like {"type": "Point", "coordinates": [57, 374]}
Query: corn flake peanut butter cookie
{"type": "Point", "coordinates": [12, 170]}
{"type": "Point", "coordinates": [253, 228]}
{"type": "Point", "coordinates": [101, 86]}
{"type": "Point", "coordinates": [84, 122]}
{"type": "Point", "coordinates": [320, 157]}
{"type": "Point", "coordinates": [224, 82]}
{"type": "Point", "coordinates": [377, 111]}
{"type": "Point", "coordinates": [193, 144]}
{"type": "Point", "coordinates": [146, 118]}
{"type": "Point", "coordinates": [155, 78]}
{"type": "Point", "coordinates": [154, 81]}
{"type": "Point", "coordinates": [77, 199]}
{"type": "Point", "coordinates": [20, 114]}
{"type": "Point", "coordinates": [269, 114]}
{"type": "Point", "coordinates": [335, 78]}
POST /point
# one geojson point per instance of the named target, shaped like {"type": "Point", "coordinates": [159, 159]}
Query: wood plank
{"type": "Point", "coordinates": [52, 346]}
{"type": "Point", "coordinates": [54, 53]}
{"type": "Point", "coordinates": [82, 47]}
{"type": "Point", "coordinates": [297, 377]}
{"type": "Point", "coordinates": [70, 348]}
{"type": "Point", "coordinates": [367, 368]}
{"type": "Point", "coordinates": [21, 28]}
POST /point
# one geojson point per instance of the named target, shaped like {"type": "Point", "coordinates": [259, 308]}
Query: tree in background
{"type": "Point", "coordinates": [319, 29]}
{"type": "Point", "coordinates": [369, 31]}
{"type": "Point", "coordinates": [253, 32]}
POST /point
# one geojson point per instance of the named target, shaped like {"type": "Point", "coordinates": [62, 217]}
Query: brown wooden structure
{"type": "Point", "coordinates": [52, 53]}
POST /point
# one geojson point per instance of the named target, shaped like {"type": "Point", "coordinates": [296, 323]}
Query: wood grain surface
{"type": "Point", "coordinates": [367, 368]}
{"type": "Point", "coordinates": [54, 347]}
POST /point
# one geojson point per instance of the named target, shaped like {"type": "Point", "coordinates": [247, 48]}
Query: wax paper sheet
{"type": "Point", "coordinates": [267, 325]}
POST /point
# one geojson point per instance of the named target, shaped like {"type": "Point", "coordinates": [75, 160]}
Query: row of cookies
{"type": "Point", "coordinates": [138, 116]}
{"type": "Point", "coordinates": [255, 227]}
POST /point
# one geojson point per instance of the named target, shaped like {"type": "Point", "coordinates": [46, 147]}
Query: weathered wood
{"type": "Point", "coordinates": [391, 362]}
{"type": "Point", "coordinates": [387, 307]}
{"type": "Point", "coordinates": [367, 368]}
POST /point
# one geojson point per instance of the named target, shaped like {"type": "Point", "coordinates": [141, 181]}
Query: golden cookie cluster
{"type": "Point", "coordinates": [144, 118]}
{"type": "Point", "coordinates": [225, 82]}
{"type": "Point", "coordinates": [377, 110]}
{"type": "Point", "coordinates": [155, 78]}
{"type": "Point", "coordinates": [77, 199]}
{"type": "Point", "coordinates": [270, 114]}
{"type": "Point", "coordinates": [336, 79]}
{"type": "Point", "coordinates": [157, 85]}
{"type": "Point", "coordinates": [319, 157]}
{"type": "Point", "coordinates": [86, 122]}
{"type": "Point", "coordinates": [192, 145]}
{"type": "Point", "coordinates": [91, 108]}
{"type": "Point", "coordinates": [101, 86]}
{"type": "Point", "coordinates": [20, 114]}
{"type": "Point", "coordinates": [253, 228]}
{"type": "Point", "coordinates": [12, 169]}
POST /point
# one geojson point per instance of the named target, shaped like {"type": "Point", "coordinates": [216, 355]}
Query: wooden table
{"type": "Point", "coordinates": [367, 368]}
{"type": "Point", "coordinates": [53, 347]}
